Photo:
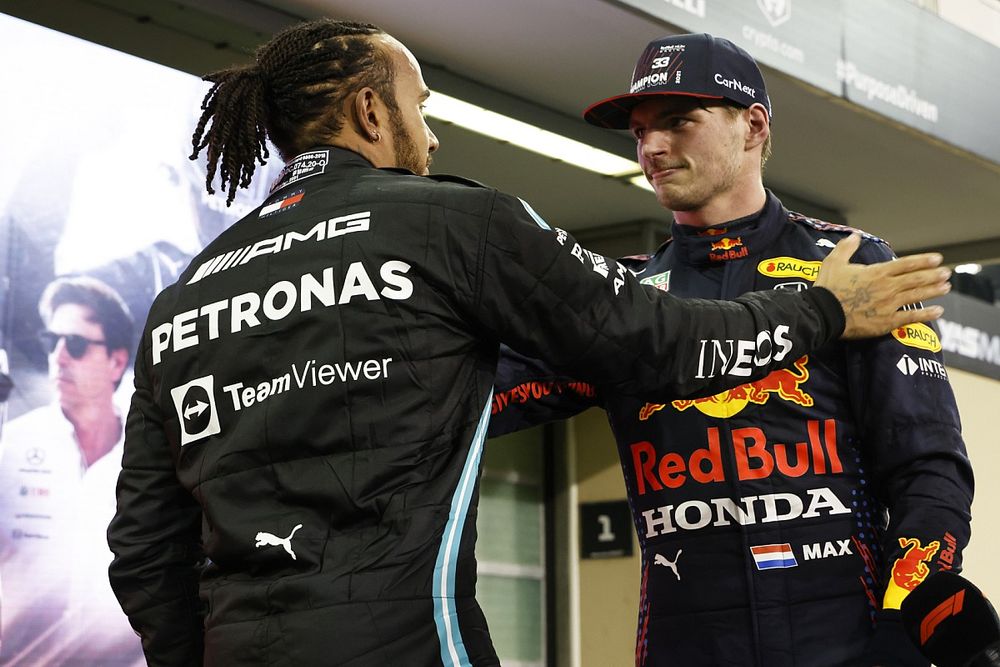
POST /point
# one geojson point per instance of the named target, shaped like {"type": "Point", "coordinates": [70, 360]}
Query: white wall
{"type": "Point", "coordinates": [979, 402]}
{"type": "Point", "coordinates": [980, 17]}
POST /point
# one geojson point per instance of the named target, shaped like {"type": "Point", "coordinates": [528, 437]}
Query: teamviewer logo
{"type": "Point", "coordinates": [195, 404]}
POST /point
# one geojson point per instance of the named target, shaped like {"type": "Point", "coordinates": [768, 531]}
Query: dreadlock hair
{"type": "Point", "coordinates": [293, 94]}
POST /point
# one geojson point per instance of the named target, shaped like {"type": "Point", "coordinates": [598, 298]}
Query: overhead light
{"type": "Point", "coordinates": [641, 182]}
{"type": "Point", "coordinates": [968, 268]}
{"type": "Point", "coordinates": [529, 137]}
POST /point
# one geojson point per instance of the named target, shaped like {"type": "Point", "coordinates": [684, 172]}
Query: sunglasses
{"type": "Point", "coordinates": [75, 345]}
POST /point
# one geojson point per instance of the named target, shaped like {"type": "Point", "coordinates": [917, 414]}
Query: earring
{"type": "Point", "coordinates": [376, 137]}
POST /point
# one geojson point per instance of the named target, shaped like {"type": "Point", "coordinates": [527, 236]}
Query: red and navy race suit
{"type": "Point", "coordinates": [311, 405]}
{"type": "Point", "coordinates": [788, 505]}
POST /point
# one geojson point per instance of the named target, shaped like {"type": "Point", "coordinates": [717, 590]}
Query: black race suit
{"type": "Point", "coordinates": [775, 494]}
{"type": "Point", "coordinates": [312, 398]}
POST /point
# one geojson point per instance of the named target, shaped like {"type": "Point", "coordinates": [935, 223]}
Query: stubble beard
{"type": "Point", "coordinates": [404, 147]}
{"type": "Point", "coordinates": [698, 193]}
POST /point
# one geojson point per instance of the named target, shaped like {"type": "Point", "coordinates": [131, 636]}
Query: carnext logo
{"type": "Point", "coordinates": [734, 84]}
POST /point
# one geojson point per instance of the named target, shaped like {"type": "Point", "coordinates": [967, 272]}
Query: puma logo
{"type": "Point", "coordinates": [660, 560]}
{"type": "Point", "coordinates": [270, 540]}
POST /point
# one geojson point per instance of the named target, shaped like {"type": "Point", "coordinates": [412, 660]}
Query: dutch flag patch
{"type": "Point", "coordinates": [770, 556]}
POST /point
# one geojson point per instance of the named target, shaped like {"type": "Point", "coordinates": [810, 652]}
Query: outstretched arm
{"type": "Point", "coordinates": [527, 393]}
{"type": "Point", "coordinates": [548, 297]}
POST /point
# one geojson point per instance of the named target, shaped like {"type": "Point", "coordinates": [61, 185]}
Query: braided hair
{"type": "Point", "coordinates": [293, 94]}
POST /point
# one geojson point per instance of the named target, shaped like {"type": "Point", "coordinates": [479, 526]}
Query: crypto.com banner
{"type": "Point", "coordinates": [94, 181]}
{"type": "Point", "coordinates": [889, 56]}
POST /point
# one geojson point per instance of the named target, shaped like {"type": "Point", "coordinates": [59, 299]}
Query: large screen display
{"type": "Point", "coordinates": [100, 208]}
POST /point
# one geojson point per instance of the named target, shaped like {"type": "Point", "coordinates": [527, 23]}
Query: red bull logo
{"type": "Point", "coordinates": [755, 458]}
{"type": "Point", "coordinates": [646, 411]}
{"type": "Point", "coordinates": [727, 244]}
{"type": "Point", "coordinates": [728, 248]}
{"type": "Point", "coordinates": [946, 560]}
{"type": "Point", "coordinates": [786, 383]}
{"type": "Point", "coordinates": [909, 571]}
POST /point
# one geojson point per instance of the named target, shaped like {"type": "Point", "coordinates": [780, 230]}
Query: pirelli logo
{"type": "Point", "coordinates": [321, 231]}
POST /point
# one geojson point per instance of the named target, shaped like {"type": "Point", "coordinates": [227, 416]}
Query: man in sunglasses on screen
{"type": "Point", "coordinates": [57, 482]}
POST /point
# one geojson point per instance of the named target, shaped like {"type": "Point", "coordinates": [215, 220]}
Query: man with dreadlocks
{"type": "Point", "coordinates": [300, 474]}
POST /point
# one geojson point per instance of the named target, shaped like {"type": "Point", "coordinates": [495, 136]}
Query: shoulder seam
{"type": "Point", "coordinates": [823, 226]}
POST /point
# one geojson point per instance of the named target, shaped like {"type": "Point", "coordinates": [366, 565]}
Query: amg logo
{"type": "Point", "coordinates": [328, 229]}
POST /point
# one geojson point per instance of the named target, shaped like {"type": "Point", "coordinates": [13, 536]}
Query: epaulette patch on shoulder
{"type": "Point", "coordinates": [629, 260]}
{"type": "Point", "coordinates": [822, 226]}
{"type": "Point", "coordinates": [451, 178]}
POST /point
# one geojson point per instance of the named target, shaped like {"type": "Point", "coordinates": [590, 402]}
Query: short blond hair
{"type": "Point", "coordinates": [765, 151]}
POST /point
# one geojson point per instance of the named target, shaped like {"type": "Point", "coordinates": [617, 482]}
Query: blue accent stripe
{"type": "Point", "coordinates": [771, 564]}
{"type": "Point", "coordinates": [453, 652]}
{"type": "Point", "coordinates": [537, 218]}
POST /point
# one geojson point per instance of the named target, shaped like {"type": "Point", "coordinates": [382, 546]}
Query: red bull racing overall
{"type": "Point", "coordinates": [795, 512]}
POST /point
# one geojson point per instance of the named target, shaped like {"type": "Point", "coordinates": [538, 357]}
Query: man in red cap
{"type": "Point", "coordinates": [782, 522]}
